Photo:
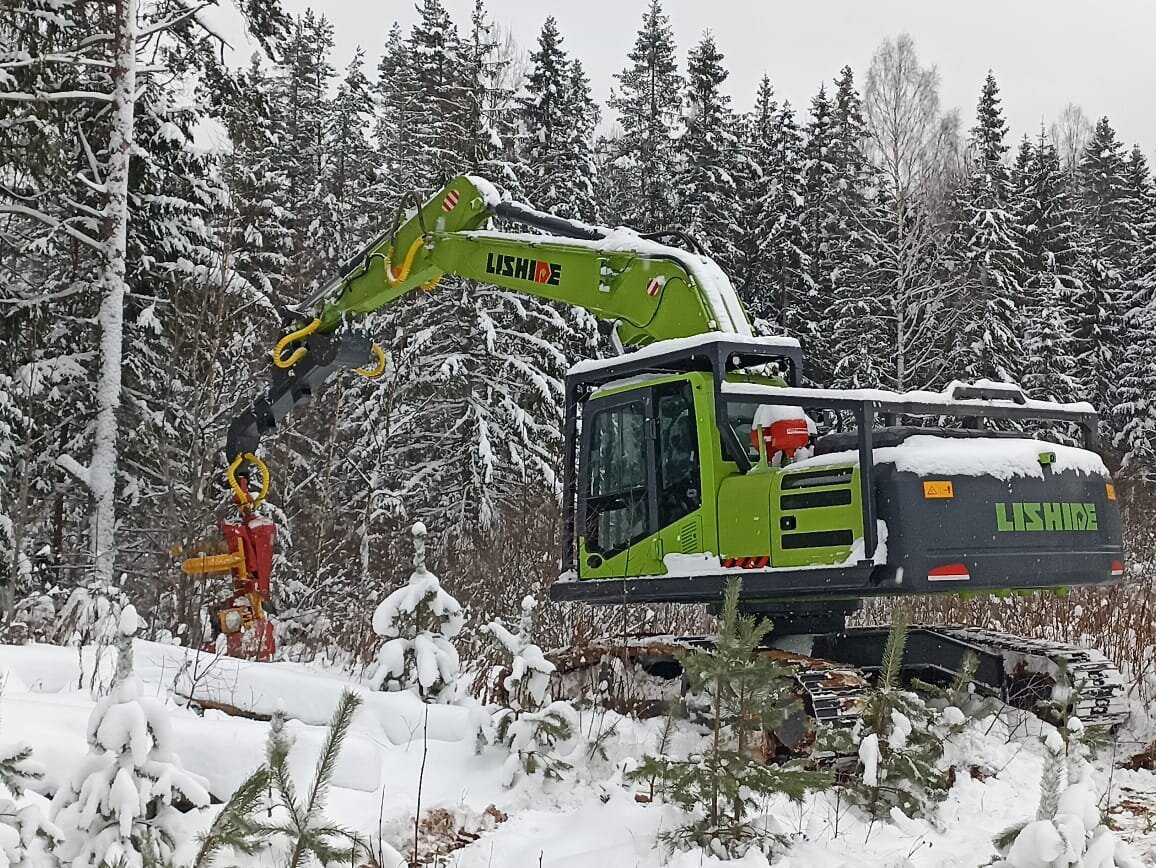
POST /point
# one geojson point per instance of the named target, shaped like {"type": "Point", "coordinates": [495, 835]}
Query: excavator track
{"type": "Point", "coordinates": [1032, 665]}
{"type": "Point", "coordinates": [641, 674]}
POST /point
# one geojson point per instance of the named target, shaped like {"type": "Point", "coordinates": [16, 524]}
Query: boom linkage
{"type": "Point", "coordinates": [649, 291]}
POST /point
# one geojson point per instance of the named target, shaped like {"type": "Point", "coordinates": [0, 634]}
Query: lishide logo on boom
{"type": "Point", "coordinates": [1031, 516]}
{"type": "Point", "coordinates": [535, 270]}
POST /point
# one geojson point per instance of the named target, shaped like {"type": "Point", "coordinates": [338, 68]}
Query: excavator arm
{"type": "Point", "coordinates": [648, 290]}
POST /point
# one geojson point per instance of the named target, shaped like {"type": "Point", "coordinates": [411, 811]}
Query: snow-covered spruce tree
{"type": "Point", "coordinates": [538, 734]}
{"type": "Point", "coordinates": [1068, 829]}
{"type": "Point", "coordinates": [899, 741]}
{"type": "Point", "coordinates": [1097, 309]}
{"type": "Point", "coordinates": [556, 116]}
{"type": "Point", "coordinates": [774, 272]}
{"type": "Point", "coordinates": [820, 225]}
{"type": "Point", "coordinates": [1136, 407]}
{"type": "Point", "coordinates": [721, 788]}
{"type": "Point", "coordinates": [26, 836]}
{"type": "Point", "coordinates": [418, 620]}
{"type": "Point", "coordinates": [352, 162]}
{"type": "Point", "coordinates": [301, 93]}
{"type": "Point", "coordinates": [856, 315]}
{"type": "Point", "coordinates": [118, 807]}
{"type": "Point", "coordinates": [705, 194]}
{"type": "Point", "coordinates": [1050, 253]}
{"type": "Point", "coordinates": [647, 100]}
{"type": "Point", "coordinates": [990, 339]}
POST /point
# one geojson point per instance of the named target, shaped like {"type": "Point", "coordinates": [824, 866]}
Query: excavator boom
{"type": "Point", "coordinates": [648, 290]}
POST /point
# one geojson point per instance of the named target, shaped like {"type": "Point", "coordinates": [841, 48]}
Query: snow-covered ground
{"type": "Point", "coordinates": [591, 818]}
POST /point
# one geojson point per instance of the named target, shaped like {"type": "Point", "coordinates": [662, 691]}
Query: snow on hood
{"type": "Point", "coordinates": [1002, 458]}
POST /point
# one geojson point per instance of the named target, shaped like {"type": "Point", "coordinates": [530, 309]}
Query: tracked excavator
{"type": "Point", "coordinates": [696, 456]}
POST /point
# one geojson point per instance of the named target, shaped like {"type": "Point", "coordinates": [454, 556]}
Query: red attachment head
{"type": "Point", "coordinates": [783, 435]}
{"type": "Point", "coordinates": [256, 535]}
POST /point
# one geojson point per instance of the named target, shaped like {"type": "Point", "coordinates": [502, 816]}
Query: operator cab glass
{"type": "Point", "coordinates": [642, 468]}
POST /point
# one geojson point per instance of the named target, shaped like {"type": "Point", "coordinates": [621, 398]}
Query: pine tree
{"type": "Point", "coordinates": [237, 827]}
{"type": "Point", "coordinates": [706, 197]}
{"type": "Point", "coordinates": [118, 805]}
{"type": "Point", "coordinates": [992, 258]}
{"type": "Point", "coordinates": [302, 823]}
{"type": "Point", "coordinates": [900, 741]}
{"type": "Point", "coordinates": [647, 103]}
{"type": "Point", "coordinates": [720, 788]}
{"type": "Point", "coordinates": [418, 620]}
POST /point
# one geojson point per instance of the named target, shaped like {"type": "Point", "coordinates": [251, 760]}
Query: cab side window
{"type": "Point", "coordinates": [616, 502]}
{"type": "Point", "coordinates": [679, 479]}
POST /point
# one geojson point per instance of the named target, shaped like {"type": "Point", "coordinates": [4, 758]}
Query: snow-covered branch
{"type": "Point", "coordinates": [74, 467]}
{"type": "Point", "coordinates": [47, 220]}
{"type": "Point", "coordinates": [55, 96]}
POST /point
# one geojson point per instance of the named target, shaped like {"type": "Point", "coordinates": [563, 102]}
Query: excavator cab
{"type": "Point", "coordinates": [686, 466]}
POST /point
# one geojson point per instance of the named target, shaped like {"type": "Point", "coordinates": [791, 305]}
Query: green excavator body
{"type": "Point", "coordinates": [697, 458]}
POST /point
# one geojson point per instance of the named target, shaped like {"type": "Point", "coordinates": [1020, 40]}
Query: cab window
{"type": "Point", "coordinates": [617, 495]}
{"type": "Point", "coordinates": [679, 486]}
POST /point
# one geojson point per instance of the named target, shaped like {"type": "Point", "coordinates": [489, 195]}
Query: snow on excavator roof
{"type": "Point", "coordinates": [920, 402]}
{"type": "Point", "coordinates": [766, 346]}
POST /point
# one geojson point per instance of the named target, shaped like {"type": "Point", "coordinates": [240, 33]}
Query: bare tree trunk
{"type": "Point", "coordinates": [101, 476]}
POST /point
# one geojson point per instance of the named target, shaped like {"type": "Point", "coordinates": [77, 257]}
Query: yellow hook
{"type": "Point", "coordinates": [245, 499]}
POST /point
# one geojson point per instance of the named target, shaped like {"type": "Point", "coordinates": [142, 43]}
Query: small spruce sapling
{"type": "Point", "coordinates": [418, 620]}
{"type": "Point", "coordinates": [26, 835]}
{"type": "Point", "coordinates": [302, 822]}
{"type": "Point", "coordinates": [900, 740]}
{"type": "Point", "coordinates": [118, 806]}
{"type": "Point", "coordinates": [537, 733]}
{"type": "Point", "coordinates": [1068, 827]}
{"type": "Point", "coordinates": [721, 788]}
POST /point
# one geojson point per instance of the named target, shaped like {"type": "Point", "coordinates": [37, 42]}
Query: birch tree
{"type": "Point", "coordinates": [915, 146]}
{"type": "Point", "coordinates": [77, 72]}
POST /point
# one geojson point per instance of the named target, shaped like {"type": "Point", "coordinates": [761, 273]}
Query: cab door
{"type": "Point", "coordinates": [640, 475]}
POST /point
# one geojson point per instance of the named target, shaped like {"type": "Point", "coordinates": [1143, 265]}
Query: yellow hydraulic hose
{"type": "Point", "coordinates": [374, 372]}
{"type": "Point", "coordinates": [295, 356]}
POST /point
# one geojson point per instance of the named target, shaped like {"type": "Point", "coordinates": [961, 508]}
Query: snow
{"type": "Point", "coordinates": [869, 756]}
{"type": "Point", "coordinates": [1004, 458]}
{"type": "Point", "coordinates": [686, 344]}
{"type": "Point", "coordinates": [590, 818]}
{"type": "Point", "coordinates": [940, 399]}
{"type": "Point", "coordinates": [490, 195]}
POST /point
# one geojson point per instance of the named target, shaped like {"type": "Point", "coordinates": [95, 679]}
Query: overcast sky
{"type": "Point", "coordinates": [1045, 53]}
